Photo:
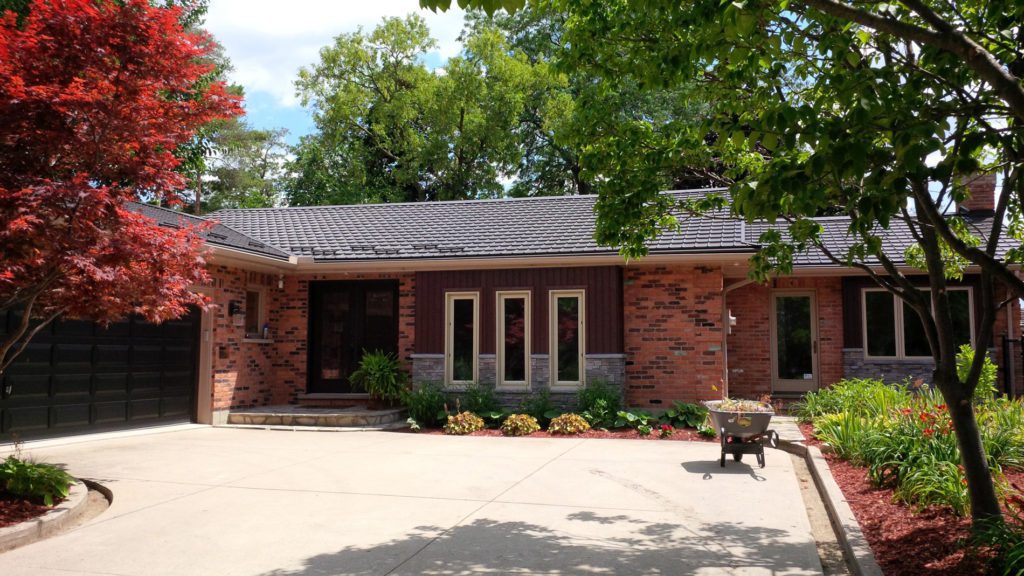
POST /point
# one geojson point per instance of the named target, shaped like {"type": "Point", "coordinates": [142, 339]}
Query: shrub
{"type": "Point", "coordinates": [380, 374]}
{"type": "Point", "coordinates": [683, 415]}
{"type": "Point", "coordinates": [519, 425]}
{"type": "Point", "coordinates": [599, 415]}
{"type": "Point", "coordinates": [986, 389]}
{"type": "Point", "coordinates": [425, 403]}
{"type": "Point", "coordinates": [587, 398]}
{"type": "Point", "coordinates": [482, 401]}
{"type": "Point", "coordinates": [34, 480]}
{"type": "Point", "coordinates": [1006, 539]}
{"type": "Point", "coordinates": [463, 423]}
{"type": "Point", "coordinates": [665, 430]}
{"type": "Point", "coordinates": [540, 406]}
{"type": "Point", "coordinates": [568, 424]}
{"type": "Point", "coordinates": [862, 396]}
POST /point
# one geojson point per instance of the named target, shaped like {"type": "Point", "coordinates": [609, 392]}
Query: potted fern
{"type": "Point", "coordinates": [381, 375]}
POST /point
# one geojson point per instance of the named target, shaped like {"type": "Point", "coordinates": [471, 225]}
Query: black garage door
{"type": "Point", "coordinates": [79, 376]}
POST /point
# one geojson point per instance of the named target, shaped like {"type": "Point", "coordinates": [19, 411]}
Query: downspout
{"type": "Point", "coordinates": [725, 332]}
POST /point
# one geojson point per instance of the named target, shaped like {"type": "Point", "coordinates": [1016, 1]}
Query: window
{"type": "Point", "coordinates": [893, 330]}
{"type": "Point", "coordinates": [254, 317]}
{"type": "Point", "coordinates": [462, 338]}
{"type": "Point", "coordinates": [513, 339]}
{"type": "Point", "coordinates": [567, 314]}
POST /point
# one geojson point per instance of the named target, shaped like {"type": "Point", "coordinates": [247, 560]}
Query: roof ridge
{"type": "Point", "coordinates": [505, 199]}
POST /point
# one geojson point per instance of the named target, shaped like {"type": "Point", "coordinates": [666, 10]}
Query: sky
{"type": "Point", "coordinates": [268, 42]}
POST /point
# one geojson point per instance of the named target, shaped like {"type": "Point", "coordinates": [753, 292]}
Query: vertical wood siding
{"type": "Point", "coordinates": [603, 285]}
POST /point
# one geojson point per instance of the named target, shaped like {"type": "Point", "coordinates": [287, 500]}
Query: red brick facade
{"type": "Point", "coordinates": [256, 373]}
{"type": "Point", "coordinates": [749, 344]}
{"type": "Point", "coordinates": [673, 334]}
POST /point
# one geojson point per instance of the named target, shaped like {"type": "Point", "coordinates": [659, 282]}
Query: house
{"type": "Point", "coordinates": [511, 293]}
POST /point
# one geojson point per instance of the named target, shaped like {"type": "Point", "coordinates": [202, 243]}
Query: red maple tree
{"type": "Point", "coordinates": [95, 95]}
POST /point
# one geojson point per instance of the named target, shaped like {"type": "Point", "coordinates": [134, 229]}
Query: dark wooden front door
{"type": "Point", "coordinates": [346, 319]}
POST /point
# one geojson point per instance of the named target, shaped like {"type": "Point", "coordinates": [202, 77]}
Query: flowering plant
{"type": "Point", "coordinates": [665, 430]}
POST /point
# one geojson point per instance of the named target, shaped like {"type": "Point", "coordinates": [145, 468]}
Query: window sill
{"type": "Point", "coordinates": [258, 340]}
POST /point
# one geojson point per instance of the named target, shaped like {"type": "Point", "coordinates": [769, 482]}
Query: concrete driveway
{"type": "Point", "coordinates": [218, 501]}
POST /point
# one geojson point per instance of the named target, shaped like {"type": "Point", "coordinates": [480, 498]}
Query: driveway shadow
{"type": "Point", "coordinates": [631, 546]}
{"type": "Point", "coordinates": [709, 469]}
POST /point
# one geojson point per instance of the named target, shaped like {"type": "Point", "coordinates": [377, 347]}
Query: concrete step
{"type": "Point", "coordinates": [352, 417]}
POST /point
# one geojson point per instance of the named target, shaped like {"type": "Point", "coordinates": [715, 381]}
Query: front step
{"type": "Point", "coordinates": [353, 417]}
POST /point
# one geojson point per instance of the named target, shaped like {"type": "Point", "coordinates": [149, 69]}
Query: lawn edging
{"type": "Point", "coordinates": [65, 513]}
{"type": "Point", "coordinates": [851, 537]}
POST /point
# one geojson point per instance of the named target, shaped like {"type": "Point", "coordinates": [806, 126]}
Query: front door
{"type": "Point", "coordinates": [794, 342]}
{"type": "Point", "coordinates": [346, 319]}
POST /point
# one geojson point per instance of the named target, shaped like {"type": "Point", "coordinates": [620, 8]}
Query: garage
{"type": "Point", "coordinates": [80, 376]}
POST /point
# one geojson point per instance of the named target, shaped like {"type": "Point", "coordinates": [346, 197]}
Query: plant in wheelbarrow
{"type": "Point", "coordinates": [742, 426]}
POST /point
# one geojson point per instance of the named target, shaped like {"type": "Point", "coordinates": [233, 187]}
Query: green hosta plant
{"type": "Point", "coordinates": [463, 423]}
{"type": "Point", "coordinates": [684, 415]}
{"type": "Point", "coordinates": [636, 420]}
{"type": "Point", "coordinates": [568, 424]}
{"type": "Point", "coordinates": [380, 374]}
{"type": "Point", "coordinates": [519, 425]}
{"type": "Point", "coordinates": [34, 480]}
{"type": "Point", "coordinates": [540, 406]}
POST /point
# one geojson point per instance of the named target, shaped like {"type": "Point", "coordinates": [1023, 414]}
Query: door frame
{"type": "Point", "coordinates": [796, 386]}
{"type": "Point", "coordinates": [313, 349]}
{"type": "Point", "coordinates": [203, 405]}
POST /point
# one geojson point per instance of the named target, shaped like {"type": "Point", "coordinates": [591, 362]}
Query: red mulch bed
{"type": "Point", "coordinates": [907, 541]}
{"type": "Point", "coordinates": [15, 509]}
{"type": "Point", "coordinates": [684, 434]}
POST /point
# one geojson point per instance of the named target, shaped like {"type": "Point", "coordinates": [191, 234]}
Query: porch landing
{"type": "Point", "coordinates": [306, 416]}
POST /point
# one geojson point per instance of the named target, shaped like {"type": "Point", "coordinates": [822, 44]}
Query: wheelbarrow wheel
{"type": "Point", "coordinates": [737, 457]}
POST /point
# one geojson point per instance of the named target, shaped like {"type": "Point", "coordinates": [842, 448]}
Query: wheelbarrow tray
{"type": "Point", "coordinates": [742, 426]}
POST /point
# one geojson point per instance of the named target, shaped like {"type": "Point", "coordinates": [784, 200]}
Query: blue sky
{"type": "Point", "coordinates": [268, 42]}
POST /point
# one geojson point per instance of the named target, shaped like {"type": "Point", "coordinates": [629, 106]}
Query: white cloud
{"type": "Point", "coordinates": [269, 41]}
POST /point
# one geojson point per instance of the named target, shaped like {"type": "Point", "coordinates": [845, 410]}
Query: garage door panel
{"type": "Point", "coordinates": [111, 354]}
{"type": "Point", "coordinates": [111, 412]}
{"type": "Point", "coordinates": [114, 330]}
{"type": "Point", "coordinates": [27, 419]}
{"type": "Point", "coordinates": [71, 415]}
{"type": "Point", "coordinates": [141, 329]}
{"type": "Point", "coordinates": [145, 382]}
{"type": "Point", "coordinates": [73, 329]}
{"type": "Point", "coordinates": [111, 383]}
{"type": "Point", "coordinates": [143, 356]}
{"type": "Point", "coordinates": [176, 406]}
{"type": "Point", "coordinates": [72, 355]}
{"type": "Point", "coordinates": [72, 384]}
{"type": "Point", "coordinates": [145, 409]}
{"type": "Point", "coordinates": [36, 353]}
{"type": "Point", "coordinates": [25, 386]}
{"type": "Point", "coordinates": [179, 355]}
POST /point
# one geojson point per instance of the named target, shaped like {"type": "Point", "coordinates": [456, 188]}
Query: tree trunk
{"type": "Point", "coordinates": [984, 503]}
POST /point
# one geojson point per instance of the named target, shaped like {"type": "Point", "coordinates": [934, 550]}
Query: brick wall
{"type": "Point", "coordinates": [673, 337]}
{"type": "Point", "coordinates": [749, 351]}
{"type": "Point", "coordinates": [243, 373]}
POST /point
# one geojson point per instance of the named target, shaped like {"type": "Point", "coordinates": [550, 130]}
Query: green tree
{"type": "Point", "coordinates": [569, 130]}
{"type": "Point", "coordinates": [396, 131]}
{"type": "Point", "coordinates": [248, 168]}
{"type": "Point", "coordinates": [881, 109]}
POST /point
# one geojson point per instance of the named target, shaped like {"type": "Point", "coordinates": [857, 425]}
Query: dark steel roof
{"type": "Point", "coordinates": [218, 235]}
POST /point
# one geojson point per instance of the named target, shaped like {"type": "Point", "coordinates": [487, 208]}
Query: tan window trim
{"type": "Point", "coordinates": [500, 297]}
{"type": "Point", "coordinates": [449, 338]}
{"type": "Point", "coordinates": [553, 296]}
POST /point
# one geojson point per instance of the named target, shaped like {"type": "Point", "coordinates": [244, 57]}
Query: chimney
{"type": "Point", "coordinates": [981, 194]}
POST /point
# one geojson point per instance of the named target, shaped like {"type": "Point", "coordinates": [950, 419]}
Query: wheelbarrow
{"type": "Point", "coordinates": [743, 432]}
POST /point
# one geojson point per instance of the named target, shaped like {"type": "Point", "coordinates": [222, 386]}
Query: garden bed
{"type": "Point", "coordinates": [907, 541]}
{"type": "Point", "coordinates": [16, 509]}
{"type": "Point", "coordinates": [683, 434]}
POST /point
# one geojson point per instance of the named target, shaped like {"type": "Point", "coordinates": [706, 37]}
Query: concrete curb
{"type": "Point", "coordinates": [851, 538]}
{"type": "Point", "coordinates": [68, 511]}
{"type": "Point", "coordinates": [278, 427]}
